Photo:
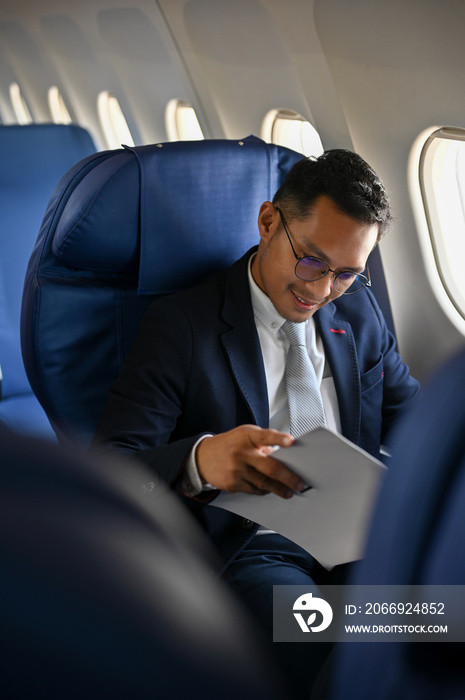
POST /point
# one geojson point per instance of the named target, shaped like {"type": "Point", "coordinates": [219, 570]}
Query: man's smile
{"type": "Point", "coordinates": [302, 302]}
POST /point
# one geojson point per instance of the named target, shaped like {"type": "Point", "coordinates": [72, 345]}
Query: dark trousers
{"type": "Point", "coordinates": [271, 560]}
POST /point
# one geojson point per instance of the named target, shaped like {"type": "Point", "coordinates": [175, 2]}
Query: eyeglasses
{"type": "Point", "coordinates": [312, 269]}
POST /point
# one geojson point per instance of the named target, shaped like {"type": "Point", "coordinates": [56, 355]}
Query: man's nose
{"type": "Point", "coordinates": [323, 287]}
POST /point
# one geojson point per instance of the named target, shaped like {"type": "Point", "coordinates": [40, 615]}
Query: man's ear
{"type": "Point", "coordinates": [268, 220]}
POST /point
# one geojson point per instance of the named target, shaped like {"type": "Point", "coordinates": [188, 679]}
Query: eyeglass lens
{"type": "Point", "coordinates": [312, 269]}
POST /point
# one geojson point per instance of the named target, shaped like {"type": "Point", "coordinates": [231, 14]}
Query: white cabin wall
{"type": "Point", "coordinates": [146, 59]}
{"type": "Point", "coordinates": [247, 57]}
{"type": "Point", "coordinates": [88, 47]}
{"type": "Point", "coordinates": [398, 68]}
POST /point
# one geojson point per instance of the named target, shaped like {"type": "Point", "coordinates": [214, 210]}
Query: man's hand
{"type": "Point", "coordinates": [239, 460]}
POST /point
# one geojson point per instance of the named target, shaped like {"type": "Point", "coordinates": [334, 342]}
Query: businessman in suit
{"type": "Point", "coordinates": [202, 398]}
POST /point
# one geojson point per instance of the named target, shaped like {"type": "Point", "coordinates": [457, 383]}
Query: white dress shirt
{"type": "Point", "coordinates": [274, 346]}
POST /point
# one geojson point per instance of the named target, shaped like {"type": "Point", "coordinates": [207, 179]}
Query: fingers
{"type": "Point", "coordinates": [266, 437]}
{"type": "Point", "coordinates": [271, 476]}
{"type": "Point", "coordinates": [239, 460]}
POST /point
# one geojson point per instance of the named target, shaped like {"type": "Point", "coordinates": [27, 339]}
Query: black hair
{"type": "Point", "coordinates": [345, 178]}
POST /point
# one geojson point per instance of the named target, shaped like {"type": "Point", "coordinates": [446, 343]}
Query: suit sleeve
{"type": "Point", "coordinates": [145, 403]}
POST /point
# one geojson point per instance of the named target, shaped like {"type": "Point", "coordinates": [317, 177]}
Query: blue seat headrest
{"type": "Point", "coordinates": [170, 213]}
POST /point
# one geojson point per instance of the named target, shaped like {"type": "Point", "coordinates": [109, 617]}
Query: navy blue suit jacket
{"type": "Point", "coordinates": [196, 367]}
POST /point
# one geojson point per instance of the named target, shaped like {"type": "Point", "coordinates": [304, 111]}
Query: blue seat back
{"type": "Point", "coordinates": [417, 538]}
{"type": "Point", "coordinates": [121, 228]}
{"type": "Point", "coordinates": [32, 159]}
{"type": "Point", "coordinates": [105, 589]}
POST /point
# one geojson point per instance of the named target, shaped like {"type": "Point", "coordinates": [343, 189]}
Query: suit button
{"type": "Point", "coordinates": [247, 524]}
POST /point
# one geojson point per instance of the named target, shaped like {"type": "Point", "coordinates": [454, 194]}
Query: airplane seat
{"type": "Point", "coordinates": [122, 227]}
{"type": "Point", "coordinates": [105, 589]}
{"type": "Point", "coordinates": [32, 159]}
{"type": "Point", "coordinates": [417, 539]}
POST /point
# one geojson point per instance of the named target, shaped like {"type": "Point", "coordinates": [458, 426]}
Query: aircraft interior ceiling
{"type": "Point", "coordinates": [370, 75]}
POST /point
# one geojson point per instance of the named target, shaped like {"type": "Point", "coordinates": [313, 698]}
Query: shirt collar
{"type": "Point", "coordinates": [262, 305]}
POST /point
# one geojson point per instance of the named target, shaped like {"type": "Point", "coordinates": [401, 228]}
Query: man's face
{"type": "Point", "coordinates": [328, 234]}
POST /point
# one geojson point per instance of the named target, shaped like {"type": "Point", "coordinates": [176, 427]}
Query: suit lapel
{"type": "Point", "coordinates": [339, 344]}
{"type": "Point", "coordinates": [242, 345]}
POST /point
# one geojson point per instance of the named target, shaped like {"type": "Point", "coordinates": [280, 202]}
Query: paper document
{"type": "Point", "coordinates": [329, 520]}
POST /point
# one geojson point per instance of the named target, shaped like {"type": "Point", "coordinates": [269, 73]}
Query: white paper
{"type": "Point", "coordinates": [331, 519]}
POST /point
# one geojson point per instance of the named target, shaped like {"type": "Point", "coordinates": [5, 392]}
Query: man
{"type": "Point", "coordinates": [202, 397]}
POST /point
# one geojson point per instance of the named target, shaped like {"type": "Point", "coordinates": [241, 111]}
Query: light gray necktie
{"type": "Point", "coordinates": [306, 410]}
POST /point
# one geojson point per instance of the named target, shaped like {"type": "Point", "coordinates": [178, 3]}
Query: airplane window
{"type": "Point", "coordinates": [181, 122]}
{"type": "Point", "coordinates": [437, 185]}
{"type": "Point", "coordinates": [113, 121]}
{"type": "Point", "coordinates": [287, 128]}
{"type": "Point", "coordinates": [57, 106]}
{"type": "Point", "coordinates": [20, 108]}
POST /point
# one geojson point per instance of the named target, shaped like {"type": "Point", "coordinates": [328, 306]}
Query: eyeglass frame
{"type": "Point", "coordinates": [312, 257]}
